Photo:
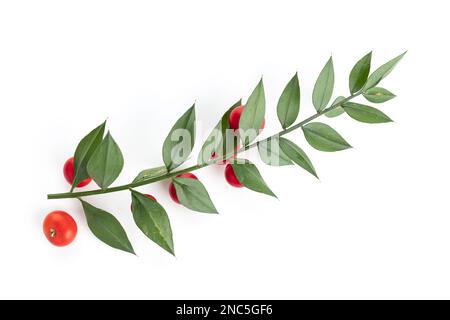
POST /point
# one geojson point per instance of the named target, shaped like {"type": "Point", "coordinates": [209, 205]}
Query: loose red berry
{"type": "Point", "coordinates": [147, 195]}
{"type": "Point", "coordinates": [69, 174]}
{"type": "Point", "coordinates": [173, 192]}
{"type": "Point", "coordinates": [60, 228]}
{"type": "Point", "coordinates": [235, 116]}
{"type": "Point", "coordinates": [231, 178]}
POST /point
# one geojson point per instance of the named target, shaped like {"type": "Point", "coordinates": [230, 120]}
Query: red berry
{"type": "Point", "coordinates": [151, 197]}
{"type": "Point", "coordinates": [235, 116]}
{"type": "Point", "coordinates": [69, 174]}
{"type": "Point", "coordinates": [60, 228]}
{"type": "Point", "coordinates": [147, 195]}
{"type": "Point", "coordinates": [173, 192]}
{"type": "Point", "coordinates": [231, 177]}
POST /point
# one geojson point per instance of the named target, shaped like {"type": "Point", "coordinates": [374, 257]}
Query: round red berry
{"type": "Point", "coordinates": [235, 116]}
{"type": "Point", "coordinates": [60, 228]}
{"type": "Point", "coordinates": [151, 197]}
{"type": "Point", "coordinates": [172, 190]}
{"type": "Point", "coordinates": [69, 174]}
{"type": "Point", "coordinates": [147, 195]}
{"type": "Point", "coordinates": [231, 178]}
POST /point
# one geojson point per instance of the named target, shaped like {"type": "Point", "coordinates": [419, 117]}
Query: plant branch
{"type": "Point", "coordinates": [198, 166]}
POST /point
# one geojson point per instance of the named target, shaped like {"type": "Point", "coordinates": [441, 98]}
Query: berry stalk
{"type": "Point", "coordinates": [198, 166]}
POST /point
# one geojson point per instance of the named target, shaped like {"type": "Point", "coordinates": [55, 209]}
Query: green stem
{"type": "Point", "coordinates": [198, 166]}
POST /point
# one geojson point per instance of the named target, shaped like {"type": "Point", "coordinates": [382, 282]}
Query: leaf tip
{"type": "Point", "coordinates": [261, 82]}
{"type": "Point", "coordinates": [273, 195]}
{"type": "Point", "coordinates": [214, 210]}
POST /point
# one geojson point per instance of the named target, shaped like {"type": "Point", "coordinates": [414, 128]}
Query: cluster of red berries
{"type": "Point", "coordinates": [61, 229]}
{"type": "Point", "coordinates": [235, 117]}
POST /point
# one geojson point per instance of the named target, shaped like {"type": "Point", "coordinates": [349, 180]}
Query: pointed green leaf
{"type": "Point", "coordinates": [336, 111]}
{"type": "Point", "coordinates": [271, 153]}
{"type": "Point", "coordinates": [289, 103]}
{"type": "Point", "coordinates": [180, 140]}
{"type": "Point", "coordinates": [297, 155]}
{"type": "Point", "coordinates": [106, 163]}
{"type": "Point", "coordinates": [193, 195]}
{"type": "Point", "coordinates": [324, 138]}
{"type": "Point", "coordinates": [365, 113]}
{"type": "Point", "coordinates": [323, 89]}
{"type": "Point", "coordinates": [360, 73]}
{"type": "Point", "coordinates": [106, 228]}
{"type": "Point", "coordinates": [252, 116]}
{"type": "Point", "coordinates": [378, 95]}
{"type": "Point", "coordinates": [382, 72]}
{"type": "Point", "coordinates": [151, 173]}
{"type": "Point", "coordinates": [84, 152]}
{"type": "Point", "coordinates": [217, 141]}
{"type": "Point", "coordinates": [249, 176]}
{"type": "Point", "coordinates": [152, 219]}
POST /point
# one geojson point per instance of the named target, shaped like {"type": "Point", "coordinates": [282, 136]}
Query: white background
{"type": "Point", "coordinates": [375, 226]}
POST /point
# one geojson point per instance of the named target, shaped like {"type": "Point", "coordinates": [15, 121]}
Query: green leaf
{"type": "Point", "coordinates": [323, 89]}
{"type": "Point", "coordinates": [271, 153]}
{"type": "Point", "coordinates": [106, 228]}
{"type": "Point", "coordinates": [193, 195]}
{"type": "Point", "coordinates": [150, 174]}
{"type": "Point", "coordinates": [360, 73]}
{"type": "Point", "coordinates": [176, 152]}
{"type": "Point", "coordinates": [324, 138]}
{"type": "Point", "coordinates": [336, 111]}
{"type": "Point", "coordinates": [289, 103]}
{"type": "Point", "coordinates": [365, 113]}
{"type": "Point", "coordinates": [106, 163]}
{"type": "Point", "coordinates": [378, 95]}
{"type": "Point", "coordinates": [217, 141]}
{"type": "Point", "coordinates": [253, 114]}
{"type": "Point", "coordinates": [297, 155]}
{"type": "Point", "coordinates": [152, 219]}
{"type": "Point", "coordinates": [84, 152]}
{"type": "Point", "coordinates": [249, 176]}
{"type": "Point", "coordinates": [382, 72]}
